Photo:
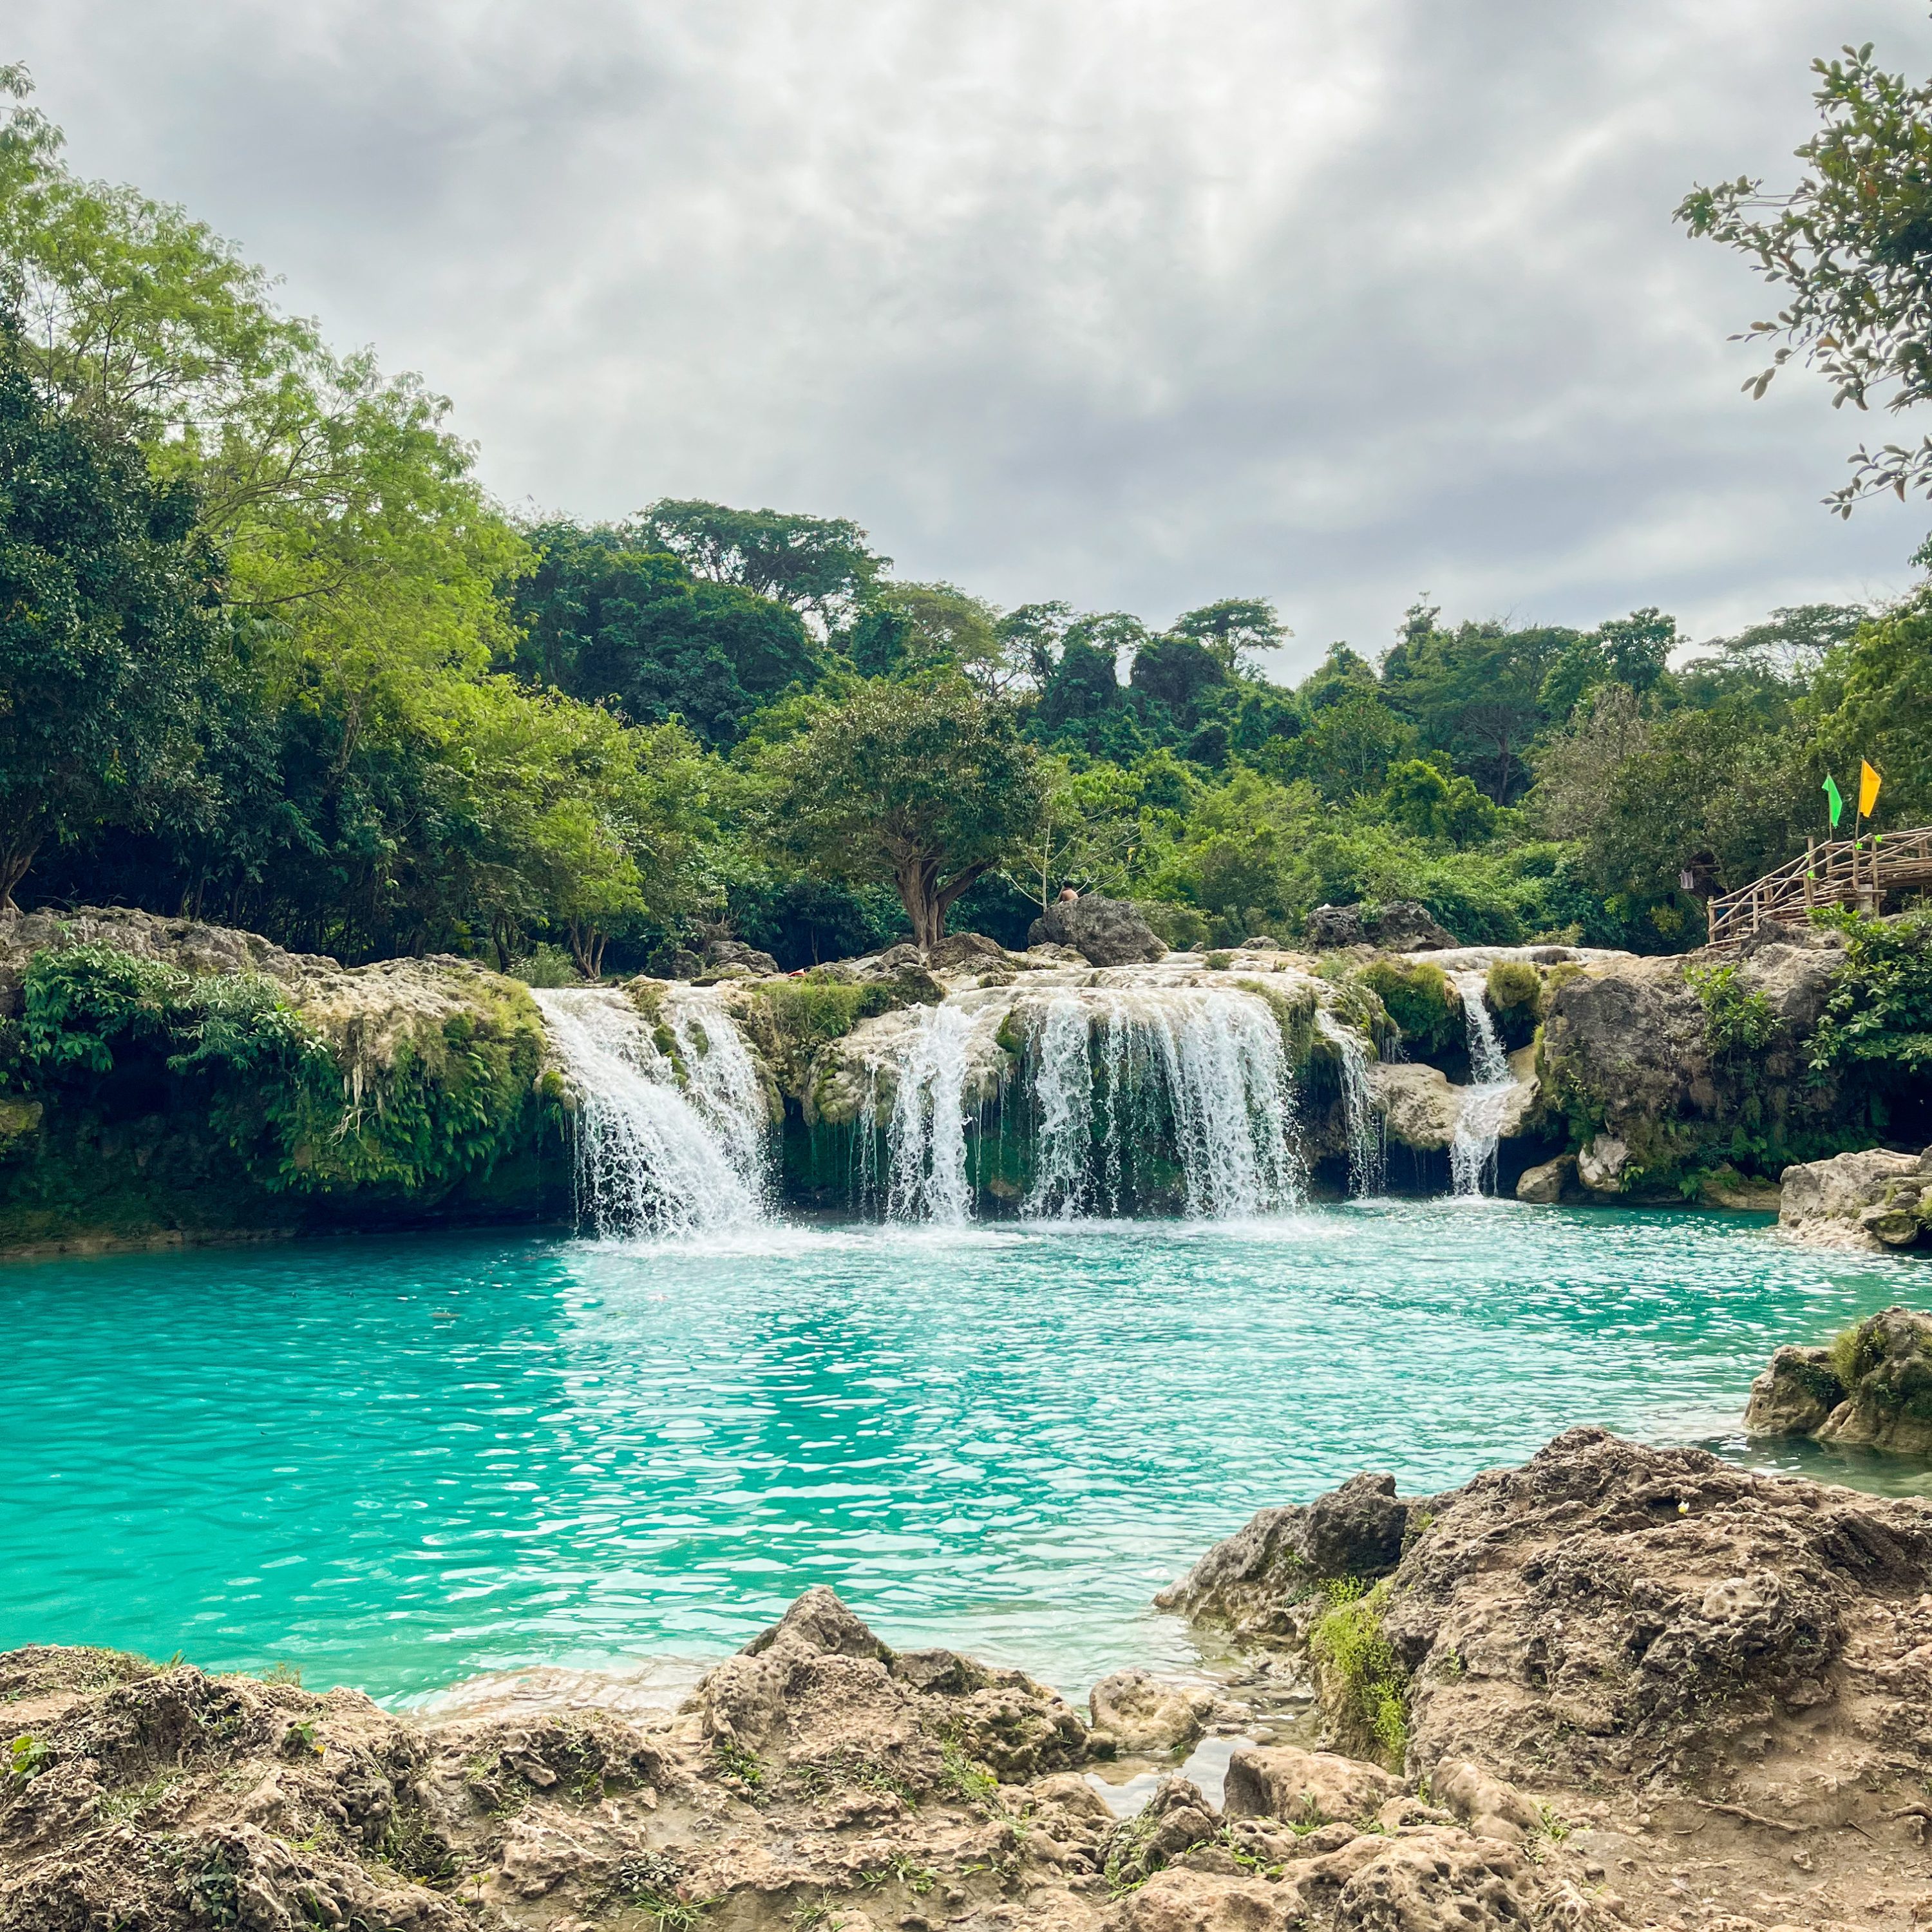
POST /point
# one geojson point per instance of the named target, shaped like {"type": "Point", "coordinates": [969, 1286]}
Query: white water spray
{"type": "Point", "coordinates": [1472, 1150]}
{"type": "Point", "coordinates": [1113, 1075]}
{"type": "Point", "coordinates": [1367, 1129]}
{"type": "Point", "coordinates": [651, 1158]}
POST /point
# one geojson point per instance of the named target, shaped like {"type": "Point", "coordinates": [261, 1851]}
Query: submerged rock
{"type": "Point", "coordinates": [1103, 931]}
{"type": "Point", "coordinates": [1550, 1182]}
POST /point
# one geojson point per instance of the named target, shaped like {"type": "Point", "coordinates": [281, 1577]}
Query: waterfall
{"type": "Point", "coordinates": [1122, 1082]}
{"type": "Point", "coordinates": [926, 1140]}
{"type": "Point", "coordinates": [652, 1156]}
{"type": "Point", "coordinates": [1367, 1130]}
{"type": "Point", "coordinates": [1472, 1151]}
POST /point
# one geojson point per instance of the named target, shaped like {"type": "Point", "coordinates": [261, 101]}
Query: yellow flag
{"type": "Point", "coordinates": [1869, 782]}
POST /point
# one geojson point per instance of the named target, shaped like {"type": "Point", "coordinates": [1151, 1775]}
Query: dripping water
{"type": "Point", "coordinates": [1367, 1129]}
{"type": "Point", "coordinates": [928, 1174]}
{"type": "Point", "coordinates": [1472, 1149]}
{"type": "Point", "coordinates": [654, 1156]}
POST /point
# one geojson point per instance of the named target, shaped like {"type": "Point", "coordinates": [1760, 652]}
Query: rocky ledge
{"type": "Point", "coordinates": [1615, 1687]}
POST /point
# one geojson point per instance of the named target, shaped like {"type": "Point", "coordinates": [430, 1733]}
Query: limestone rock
{"type": "Point", "coordinates": [1269, 1564]}
{"type": "Point", "coordinates": [1402, 926]}
{"type": "Point", "coordinates": [1417, 1102]}
{"type": "Point", "coordinates": [1550, 1182]}
{"type": "Point", "coordinates": [1793, 967]}
{"type": "Point", "coordinates": [1145, 1714]}
{"type": "Point", "coordinates": [1600, 1166]}
{"type": "Point", "coordinates": [971, 950]}
{"type": "Point", "coordinates": [1889, 1405]}
{"type": "Point", "coordinates": [734, 956]}
{"type": "Point", "coordinates": [1490, 1808]}
{"type": "Point", "coordinates": [1870, 1200]}
{"type": "Point", "coordinates": [1103, 931]}
{"type": "Point", "coordinates": [1304, 1787]}
{"type": "Point", "coordinates": [1795, 1395]}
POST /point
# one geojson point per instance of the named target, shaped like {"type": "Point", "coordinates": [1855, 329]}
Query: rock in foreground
{"type": "Point", "coordinates": [1706, 1675]}
{"type": "Point", "coordinates": [1103, 931]}
{"type": "Point", "coordinates": [816, 1779]}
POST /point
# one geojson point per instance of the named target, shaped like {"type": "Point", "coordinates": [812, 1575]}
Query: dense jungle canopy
{"type": "Point", "coordinates": [269, 654]}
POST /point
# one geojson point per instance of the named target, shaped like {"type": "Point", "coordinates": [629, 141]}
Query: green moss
{"type": "Point", "coordinates": [1514, 982]}
{"type": "Point", "coordinates": [1348, 1639]}
{"type": "Point", "coordinates": [1011, 1037]}
{"type": "Point", "coordinates": [1220, 962]}
{"type": "Point", "coordinates": [1418, 998]}
{"type": "Point", "coordinates": [1856, 1351]}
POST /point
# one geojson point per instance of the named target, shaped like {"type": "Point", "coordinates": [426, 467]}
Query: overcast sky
{"type": "Point", "coordinates": [1136, 303]}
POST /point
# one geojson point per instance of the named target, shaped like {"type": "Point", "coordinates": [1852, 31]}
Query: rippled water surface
{"type": "Point", "coordinates": [398, 1463]}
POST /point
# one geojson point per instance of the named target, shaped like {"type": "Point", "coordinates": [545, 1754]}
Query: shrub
{"type": "Point", "coordinates": [1420, 1000]}
{"type": "Point", "coordinates": [1736, 1021]}
{"type": "Point", "coordinates": [1878, 1020]}
{"type": "Point", "coordinates": [1514, 983]}
{"type": "Point", "coordinates": [1183, 928]}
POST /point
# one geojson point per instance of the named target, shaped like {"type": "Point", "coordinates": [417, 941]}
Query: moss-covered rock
{"type": "Point", "coordinates": [176, 1078]}
{"type": "Point", "coordinates": [1419, 998]}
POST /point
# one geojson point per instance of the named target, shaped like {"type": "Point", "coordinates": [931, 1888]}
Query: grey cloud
{"type": "Point", "coordinates": [1136, 304]}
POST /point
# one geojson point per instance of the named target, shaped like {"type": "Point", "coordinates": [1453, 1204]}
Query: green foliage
{"type": "Point", "coordinates": [967, 1779]}
{"type": "Point", "coordinates": [733, 1761]}
{"type": "Point", "coordinates": [1877, 1023]}
{"type": "Point", "coordinates": [926, 783]}
{"type": "Point", "coordinates": [1736, 1021]}
{"type": "Point", "coordinates": [449, 1100]}
{"type": "Point", "coordinates": [105, 624]}
{"type": "Point", "coordinates": [28, 1756]}
{"type": "Point", "coordinates": [1512, 983]}
{"type": "Point", "coordinates": [1855, 1352]}
{"type": "Point", "coordinates": [1349, 1638]}
{"type": "Point", "coordinates": [1847, 247]}
{"type": "Point", "coordinates": [1418, 998]}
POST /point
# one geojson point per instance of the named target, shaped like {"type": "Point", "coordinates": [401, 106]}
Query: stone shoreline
{"type": "Point", "coordinates": [1616, 1687]}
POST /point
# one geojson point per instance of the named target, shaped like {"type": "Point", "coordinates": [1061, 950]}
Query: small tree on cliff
{"type": "Point", "coordinates": [927, 784]}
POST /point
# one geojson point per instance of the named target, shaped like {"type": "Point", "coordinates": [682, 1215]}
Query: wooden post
{"type": "Point", "coordinates": [1810, 860]}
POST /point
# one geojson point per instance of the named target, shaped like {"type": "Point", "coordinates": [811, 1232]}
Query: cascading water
{"type": "Point", "coordinates": [653, 1158]}
{"type": "Point", "coordinates": [1472, 1149]}
{"type": "Point", "coordinates": [926, 1140]}
{"type": "Point", "coordinates": [1367, 1130]}
{"type": "Point", "coordinates": [1119, 1081]}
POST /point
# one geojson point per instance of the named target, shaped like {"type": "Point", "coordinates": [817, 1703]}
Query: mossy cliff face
{"type": "Point", "coordinates": [162, 1079]}
{"type": "Point", "coordinates": [1672, 1078]}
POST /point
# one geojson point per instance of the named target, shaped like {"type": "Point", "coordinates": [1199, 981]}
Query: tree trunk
{"type": "Point", "coordinates": [16, 857]}
{"type": "Point", "coordinates": [587, 949]}
{"type": "Point", "coordinates": [927, 902]}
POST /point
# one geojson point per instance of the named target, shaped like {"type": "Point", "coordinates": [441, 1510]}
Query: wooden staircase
{"type": "Point", "coordinates": [1842, 871]}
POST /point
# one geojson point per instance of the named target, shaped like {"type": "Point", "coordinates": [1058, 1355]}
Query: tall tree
{"type": "Point", "coordinates": [821, 566]}
{"type": "Point", "coordinates": [925, 783]}
{"type": "Point", "coordinates": [107, 621]}
{"type": "Point", "coordinates": [1236, 630]}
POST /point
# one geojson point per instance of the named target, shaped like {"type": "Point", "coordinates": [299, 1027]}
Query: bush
{"type": "Point", "coordinates": [1182, 928]}
{"type": "Point", "coordinates": [1878, 1021]}
{"type": "Point", "coordinates": [1420, 1000]}
{"type": "Point", "coordinates": [548, 966]}
{"type": "Point", "coordinates": [1514, 983]}
{"type": "Point", "coordinates": [1736, 1021]}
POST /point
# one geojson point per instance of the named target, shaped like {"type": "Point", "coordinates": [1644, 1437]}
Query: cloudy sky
{"type": "Point", "coordinates": [1136, 303]}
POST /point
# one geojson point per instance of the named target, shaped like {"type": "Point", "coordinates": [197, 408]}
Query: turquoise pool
{"type": "Point", "coordinates": [398, 1463]}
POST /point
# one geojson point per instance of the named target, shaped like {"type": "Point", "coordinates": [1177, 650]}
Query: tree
{"type": "Point", "coordinates": [107, 620]}
{"type": "Point", "coordinates": [1852, 244]}
{"type": "Point", "coordinates": [910, 627]}
{"type": "Point", "coordinates": [1349, 746]}
{"type": "Point", "coordinates": [604, 616]}
{"type": "Point", "coordinates": [1419, 796]}
{"type": "Point", "coordinates": [1236, 630]}
{"type": "Point", "coordinates": [927, 783]}
{"type": "Point", "coordinates": [1178, 672]}
{"type": "Point", "coordinates": [821, 566]}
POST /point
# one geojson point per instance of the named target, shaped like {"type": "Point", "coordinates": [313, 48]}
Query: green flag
{"type": "Point", "coordinates": [1838, 804]}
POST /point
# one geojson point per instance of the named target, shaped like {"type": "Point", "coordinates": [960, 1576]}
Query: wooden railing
{"type": "Point", "coordinates": [1842, 871]}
